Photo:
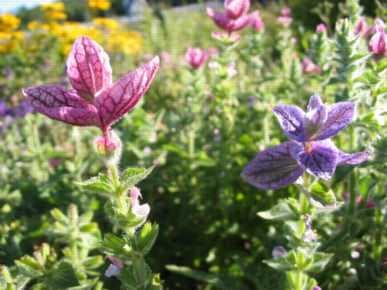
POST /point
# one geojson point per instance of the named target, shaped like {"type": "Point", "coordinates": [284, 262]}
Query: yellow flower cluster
{"type": "Point", "coordinates": [54, 11]}
{"type": "Point", "coordinates": [8, 22]}
{"type": "Point", "coordinates": [107, 31]}
{"type": "Point", "coordinates": [99, 4]}
{"type": "Point", "coordinates": [9, 37]}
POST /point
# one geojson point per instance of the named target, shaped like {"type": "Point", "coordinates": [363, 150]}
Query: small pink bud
{"type": "Point", "coordinates": [236, 8]}
{"type": "Point", "coordinates": [370, 203]}
{"type": "Point", "coordinates": [286, 11]}
{"type": "Point", "coordinates": [108, 143]}
{"type": "Point", "coordinates": [321, 28]}
{"type": "Point", "coordinates": [309, 67]}
{"type": "Point", "coordinates": [361, 27]}
{"type": "Point", "coordinates": [196, 57]}
{"type": "Point", "coordinates": [317, 288]}
{"type": "Point", "coordinates": [256, 21]}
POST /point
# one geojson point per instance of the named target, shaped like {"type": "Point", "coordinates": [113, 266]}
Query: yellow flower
{"type": "Point", "coordinates": [99, 4]}
{"type": "Point", "coordinates": [126, 42]}
{"type": "Point", "coordinates": [10, 41]}
{"type": "Point", "coordinates": [54, 11]}
{"type": "Point", "coordinates": [8, 22]}
{"type": "Point", "coordinates": [106, 23]}
{"type": "Point", "coordinates": [36, 25]}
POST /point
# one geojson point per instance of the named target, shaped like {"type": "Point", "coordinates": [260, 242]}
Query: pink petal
{"type": "Point", "coordinates": [88, 68]}
{"type": "Point", "coordinates": [125, 93]}
{"type": "Point", "coordinates": [66, 106]}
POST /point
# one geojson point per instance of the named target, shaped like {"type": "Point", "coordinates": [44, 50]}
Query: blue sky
{"type": "Point", "coordinates": [11, 5]}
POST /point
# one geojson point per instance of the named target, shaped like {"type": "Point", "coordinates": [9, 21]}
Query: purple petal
{"type": "Point", "coordinates": [236, 8]}
{"type": "Point", "coordinates": [66, 106]}
{"type": "Point", "coordinates": [226, 23]}
{"type": "Point", "coordinates": [291, 119]}
{"type": "Point", "coordinates": [339, 116]}
{"type": "Point", "coordinates": [125, 93]}
{"type": "Point", "coordinates": [352, 158]}
{"type": "Point", "coordinates": [317, 158]}
{"type": "Point", "coordinates": [273, 168]}
{"type": "Point", "coordinates": [316, 116]}
{"type": "Point", "coordinates": [88, 68]}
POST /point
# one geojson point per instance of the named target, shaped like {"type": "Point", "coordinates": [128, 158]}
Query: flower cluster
{"type": "Point", "coordinates": [93, 100]}
{"type": "Point", "coordinates": [309, 149]}
{"type": "Point", "coordinates": [10, 114]}
{"type": "Point", "coordinates": [54, 11]}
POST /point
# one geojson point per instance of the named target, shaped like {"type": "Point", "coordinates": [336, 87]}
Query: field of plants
{"type": "Point", "coordinates": [236, 145]}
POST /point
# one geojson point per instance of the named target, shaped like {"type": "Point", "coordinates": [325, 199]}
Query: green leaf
{"type": "Point", "coordinates": [147, 237]}
{"type": "Point", "coordinates": [322, 193]}
{"type": "Point", "coordinates": [320, 260]}
{"type": "Point", "coordinates": [133, 175]}
{"type": "Point", "coordinates": [62, 277]}
{"type": "Point", "coordinates": [100, 184]}
{"type": "Point", "coordinates": [217, 280]}
{"type": "Point", "coordinates": [113, 244]}
{"type": "Point", "coordinates": [281, 211]}
{"type": "Point", "coordinates": [29, 267]}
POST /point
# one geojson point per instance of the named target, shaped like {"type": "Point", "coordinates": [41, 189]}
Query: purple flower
{"type": "Point", "coordinates": [93, 100]}
{"type": "Point", "coordinates": [361, 27]}
{"type": "Point", "coordinates": [114, 268]}
{"type": "Point", "coordinates": [278, 252]}
{"type": "Point", "coordinates": [309, 149]}
{"type": "Point", "coordinates": [23, 109]}
{"type": "Point", "coordinates": [4, 109]}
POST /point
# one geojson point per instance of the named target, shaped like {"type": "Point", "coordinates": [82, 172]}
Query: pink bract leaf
{"type": "Point", "coordinates": [66, 106]}
{"type": "Point", "coordinates": [88, 68]}
{"type": "Point", "coordinates": [125, 93]}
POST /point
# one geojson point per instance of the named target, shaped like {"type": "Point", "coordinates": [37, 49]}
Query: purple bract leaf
{"type": "Point", "coordinates": [88, 68]}
{"type": "Point", "coordinates": [66, 106]}
{"type": "Point", "coordinates": [125, 93]}
{"type": "Point", "coordinates": [352, 158]}
{"type": "Point", "coordinates": [317, 158]}
{"type": "Point", "coordinates": [291, 119]}
{"type": "Point", "coordinates": [339, 116]}
{"type": "Point", "coordinates": [273, 168]}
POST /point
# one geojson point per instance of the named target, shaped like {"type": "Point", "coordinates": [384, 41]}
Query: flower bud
{"type": "Point", "coordinates": [108, 143]}
{"type": "Point", "coordinates": [196, 57]}
{"type": "Point", "coordinates": [321, 28]}
{"type": "Point", "coordinates": [278, 252]}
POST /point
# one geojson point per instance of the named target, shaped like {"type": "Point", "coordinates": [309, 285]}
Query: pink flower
{"type": "Point", "coordinates": [309, 67]}
{"type": "Point", "coordinates": [378, 44]}
{"type": "Point", "coordinates": [236, 8]}
{"type": "Point", "coordinates": [196, 57]}
{"type": "Point", "coordinates": [321, 28]}
{"type": "Point", "coordinates": [256, 21]}
{"type": "Point", "coordinates": [226, 23]}
{"type": "Point", "coordinates": [361, 27]}
{"type": "Point", "coordinates": [93, 100]}
{"type": "Point", "coordinates": [141, 211]}
{"type": "Point", "coordinates": [286, 17]}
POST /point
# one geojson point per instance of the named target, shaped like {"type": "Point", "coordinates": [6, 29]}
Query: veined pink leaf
{"type": "Point", "coordinates": [88, 68]}
{"type": "Point", "coordinates": [66, 106]}
{"type": "Point", "coordinates": [125, 93]}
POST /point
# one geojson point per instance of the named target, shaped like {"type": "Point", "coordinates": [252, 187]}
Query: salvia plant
{"type": "Point", "coordinates": [260, 150]}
